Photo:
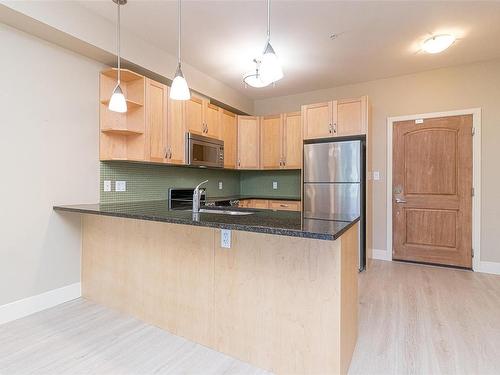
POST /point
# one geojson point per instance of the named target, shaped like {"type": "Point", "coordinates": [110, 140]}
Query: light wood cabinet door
{"type": "Point", "coordinates": [319, 120]}
{"type": "Point", "coordinates": [194, 116]}
{"type": "Point", "coordinates": [176, 133]}
{"type": "Point", "coordinates": [351, 117]}
{"type": "Point", "coordinates": [212, 120]}
{"type": "Point", "coordinates": [271, 142]}
{"type": "Point", "coordinates": [292, 140]}
{"type": "Point", "coordinates": [248, 142]}
{"type": "Point", "coordinates": [228, 133]}
{"type": "Point", "coordinates": [156, 120]}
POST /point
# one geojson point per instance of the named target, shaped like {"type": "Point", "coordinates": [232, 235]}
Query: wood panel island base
{"type": "Point", "coordinates": [285, 304]}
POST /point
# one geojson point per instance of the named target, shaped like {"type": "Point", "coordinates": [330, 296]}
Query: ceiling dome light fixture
{"type": "Point", "coordinates": [254, 79]}
{"type": "Point", "coordinates": [438, 43]}
{"type": "Point", "coordinates": [180, 88]}
{"type": "Point", "coordinates": [270, 67]}
{"type": "Point", "coordinates": [117, 103]}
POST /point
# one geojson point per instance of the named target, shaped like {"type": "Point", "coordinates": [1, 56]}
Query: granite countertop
{"type": "Point", "coordinates": [285, 223]}
{"type": "Point", "coordinates": [241, 197]}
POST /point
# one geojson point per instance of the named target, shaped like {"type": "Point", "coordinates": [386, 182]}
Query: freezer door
{"type": "Point", "coordinates": [331, 201]}
{"type": "Point", "coordinates": [332, 162]}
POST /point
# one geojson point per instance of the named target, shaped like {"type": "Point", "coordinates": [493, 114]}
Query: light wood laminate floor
{"type": "Point", "coordinates": [413, 320]}
{"type": "Point", "coordinates": [81, 337]}
{"type": "Point", "coordinates": [417, 319]}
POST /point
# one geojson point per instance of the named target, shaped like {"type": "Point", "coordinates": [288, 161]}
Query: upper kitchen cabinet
{"type": "Point", "coordinates": [352, 116]}
{"type": "Point", "coordinates": [176, 132]}
{"type": "Point", "coordinates": [165, 133]}
{"type": "Point", "coordinates": [122, 135]}
{"type": "Point", "coordinates": [281, 141]}
{"type": "Point", "coordinates": [212, 120]}
{"type": "Point", "coordinates": [319, 120]}
{"type": "Point", "coordinates": [335, 118]}
{"type": "Point", "coordinates": [292, 140]}
{"type": "Point", "coordinates": [248, 142]}
{"type": "Point", "coordinates": [156, 121]}
{"type": "Point", "coordinates": [195, 122]}
{"type": "Point", "coordinates": [228, 133]}
{"type": "Point", "coordinates": [202, 117]}
{"type": "Point", "coordinates": [271, 144]}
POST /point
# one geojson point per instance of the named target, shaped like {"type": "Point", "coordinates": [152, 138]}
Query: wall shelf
{"type": "Point", "coordinates": [126, 132]}
{"type": "Point", "coordinates": [131, 105]}
{"type": "Point", "coordinates": [125, 74]}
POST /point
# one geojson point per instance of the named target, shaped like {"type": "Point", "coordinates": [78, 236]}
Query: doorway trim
{"type": "Point", "coordinates": [476, 176]}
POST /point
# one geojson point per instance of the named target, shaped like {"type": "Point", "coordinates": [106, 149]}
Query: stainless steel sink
{"type": "Point", "coordinates": [225, 212]}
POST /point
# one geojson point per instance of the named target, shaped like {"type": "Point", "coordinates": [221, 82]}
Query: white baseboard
{"type": "Point", "coordinates": [31, 305]}
{"type": "Point", "coordinates": [381, 254]}
{"type": "Point", "coordinates": [489, 267]}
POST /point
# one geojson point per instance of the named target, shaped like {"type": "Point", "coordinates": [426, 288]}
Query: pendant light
{"type": "Point", "coordinates": [179, 89]}
{"type": "Point", "coordinates": [270, 67]}
{"type": "Point", "coordinates": [117, 103]}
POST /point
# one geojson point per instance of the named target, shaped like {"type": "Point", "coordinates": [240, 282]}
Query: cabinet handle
{"type": "Point", "coordinates": [166, 152]}
{"type": "Point", "coordinates": [330, 128]}
{"type": "Point", "coordinates": [284, 162]}
{"type": "Point", "coordinates": [283, 205]}
{"type": "Point", "coordinates": [239, 164]}
{"type": "Point", "coordinates": [335, 127]}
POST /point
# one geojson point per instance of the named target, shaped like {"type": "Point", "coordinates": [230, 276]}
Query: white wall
{"type": "Point", "coordinates": [460, 87]}
{"type": "Point", "coordinates": [49, 153]}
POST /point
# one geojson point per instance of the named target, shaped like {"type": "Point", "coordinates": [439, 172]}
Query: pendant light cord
{"type": "Point", "coordinates": [179, 34]}
{"type": "Point", "coordinates": [268, 20]}
{"type": "Point", "coordinates": [118, 41]}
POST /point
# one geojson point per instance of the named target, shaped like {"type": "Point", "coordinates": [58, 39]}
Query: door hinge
{"type": "Point", "coordinates": [473, 131]}
{"type": "Point", "coordinates": [473, 191]}
{"type": "Point", "coordinates": [472, 252]}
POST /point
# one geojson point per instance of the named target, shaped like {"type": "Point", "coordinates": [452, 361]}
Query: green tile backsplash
{"type": "Point", "coordinates": [151, 181]}
{"type": "Point", "coordinates": [260, 183]}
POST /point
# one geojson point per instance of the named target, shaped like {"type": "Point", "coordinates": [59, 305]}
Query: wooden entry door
{"type": "Point", "coordinates": [432, 191]}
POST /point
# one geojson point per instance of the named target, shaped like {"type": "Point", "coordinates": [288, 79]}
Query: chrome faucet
{"type": "Point", "coordinates": [197, 197]}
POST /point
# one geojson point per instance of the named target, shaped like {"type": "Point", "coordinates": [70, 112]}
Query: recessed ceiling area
{"type": "Point", "coordinates": [374, 39]}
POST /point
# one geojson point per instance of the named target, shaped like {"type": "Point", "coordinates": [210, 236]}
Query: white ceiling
{"type": "Point", "coordinates": [376, 39]}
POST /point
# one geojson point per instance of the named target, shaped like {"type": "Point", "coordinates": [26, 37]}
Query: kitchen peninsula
{"type": "Point", "coordinates": [282, 297]}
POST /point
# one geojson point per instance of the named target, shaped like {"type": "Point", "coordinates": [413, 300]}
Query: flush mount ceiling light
{"type": "Point", "coordinates": [180, 88]}
{"type": "Point", "coordinates": [117, 103]}
{"type": "Point", "coordinates": [254, 79]}
{"type": "Point", "coordinates": [438, 43]}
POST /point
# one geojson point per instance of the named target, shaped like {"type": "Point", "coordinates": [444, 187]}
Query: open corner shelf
{"type": "Point", "coordinates": [131, 105]}
{"type": "Point", "coordinates": [126, 132]}
{"type": "Point", "coordinates": [125, 74]}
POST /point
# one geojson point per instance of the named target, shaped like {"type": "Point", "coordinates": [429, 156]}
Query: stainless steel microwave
{"type": "Point", "coordinates": [204, 151]}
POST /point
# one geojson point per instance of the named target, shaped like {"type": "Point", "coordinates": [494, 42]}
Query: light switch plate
{"type": "Point", "coordinates": [376, 175]}
{"type": "Point", "coordinates": [107, 185]}
{"type": "Point", "coordinates": [225, 238]}
{"type": "Point", "coordinates": [275, 185]}
{"type": "Point", "coordinates": [220, 185]}
{"type": "Point", "coordinates": [120, 185]}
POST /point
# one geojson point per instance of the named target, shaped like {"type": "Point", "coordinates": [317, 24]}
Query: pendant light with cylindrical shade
{"type": "Point", "coordinates": [180, 88]}
{"type": "Point", "coordinates": [117, 103]}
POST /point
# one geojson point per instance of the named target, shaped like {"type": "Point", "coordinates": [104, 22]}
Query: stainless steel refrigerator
{"type": "Point", "coordinates": [334, 185]}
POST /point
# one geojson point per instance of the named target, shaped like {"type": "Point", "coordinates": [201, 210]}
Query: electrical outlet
{"type": "Point", "coordinates": [225, 238]}
{"type": "Point", "coordinates": [120, 185]}
{"type": "Point", "coordinates": [220, 185]}
{"type": "Point", "coordinates": [376, 175]}
{"type": "Point", "coordinates": [107, 185]}
{"type": "Point", "coordinates": [275, 185]}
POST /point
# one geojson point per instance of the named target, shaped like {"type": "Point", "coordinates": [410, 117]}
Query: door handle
{"type": "Point", "coordinates": [400, 200]}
